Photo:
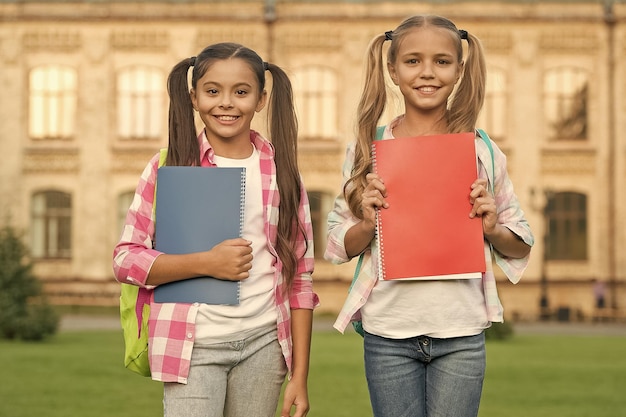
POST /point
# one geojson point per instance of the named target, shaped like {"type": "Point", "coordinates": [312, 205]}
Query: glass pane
{"type": "Point", "coordinates": [567, 232]}
{"type": "Point", "coordinates": [52, 102]}
{"type": "Point", "coordinates": [316, 102]}
{"type": "Point", "coordinates": [139, 101]}
{"type": "Point", "coordinates": [565, 102]}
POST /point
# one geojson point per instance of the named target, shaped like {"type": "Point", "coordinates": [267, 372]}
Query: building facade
{"type": "Point", "coordinates": [84, 107]}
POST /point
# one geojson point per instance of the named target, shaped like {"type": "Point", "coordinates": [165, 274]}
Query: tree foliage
{"type": "Point", "coordinates": [24, 312]}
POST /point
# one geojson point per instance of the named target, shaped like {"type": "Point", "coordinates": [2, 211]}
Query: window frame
{"type": "Point", "coordinates": [494, 114]}
{"type": "Point", "coordinates": [51, 225]}
{"type": "Point", "coordinates": [52, 102]}
{"type": "Point", "coordinates": [566, 93]}
{"type": "Point", "coordinates": [140, 103]}
{"type": "Point", "coordinates": [317, 108]}
{"type": "Point", "coordinates": [567, 226]}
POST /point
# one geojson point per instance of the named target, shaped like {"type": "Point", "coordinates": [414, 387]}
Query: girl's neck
{"type": "Point", "coordinates": [412, 125]}
{"type": "Point", "coordinates": [232, 148]}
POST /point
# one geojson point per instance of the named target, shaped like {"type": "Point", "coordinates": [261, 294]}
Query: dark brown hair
{"type": "Point", "coordinates": [184, 149]}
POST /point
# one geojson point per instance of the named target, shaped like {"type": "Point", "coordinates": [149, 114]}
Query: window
{"type": "Point", "coordinates": [566, 214]}
{"type": "Point", "coordinates": [565, 101]}
{"type": "Point", "coordinates": [315, 90]}
{"type": "Point", "coordinates": [320, 205]}
{"type": "Point", "coordinates": [51, 225]}
{"type": "Point", "coordinates": [492, 117]}
{"type": "Point", "coordinates": [140, 105]}
{"type": "Point", "coordinates": [52, 104]}
{"type": "Point", "coordinates": [123, 203]}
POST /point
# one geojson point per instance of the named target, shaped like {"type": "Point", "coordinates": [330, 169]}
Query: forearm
{"type": "Point", "coordinates": [301, 328]}
{"type": "Point", "coordinates": [507, 243]}
{"type": "Point", "coordinates": [359, 237]}
{"type": "Point", "coordinates": [168, 268]}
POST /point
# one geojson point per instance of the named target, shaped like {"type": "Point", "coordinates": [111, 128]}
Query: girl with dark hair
{"type": "Point", "coordinates": [216, 360]}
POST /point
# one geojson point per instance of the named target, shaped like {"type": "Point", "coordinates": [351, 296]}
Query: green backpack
{"type": "Point", "coordinates": [358, 325]}
{"type": "Point", "coordinates": [134, 314]}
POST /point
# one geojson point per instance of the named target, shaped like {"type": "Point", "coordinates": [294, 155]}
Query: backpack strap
{"type": "Point", "coordinates": [379, 132]}
{"type": "Point", "coordinates": [162, 156]}
{"type": "Point", "coordinates": [162, 159]}
{"type": "Point", "coordinates": [485, 137]}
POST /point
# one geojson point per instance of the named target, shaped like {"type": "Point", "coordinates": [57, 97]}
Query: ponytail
{"type": "Point", "coordinates": [182, 148]}
{"type": "Point", "coordinates": [370, 109]}
{"type": "Point", "coordinates": [470, 94]}
{"type": "Point", "coordinates": [283, 131]}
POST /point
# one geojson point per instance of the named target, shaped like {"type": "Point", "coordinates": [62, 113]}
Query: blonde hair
{"type": "Point", "coordinates": [463, 108]}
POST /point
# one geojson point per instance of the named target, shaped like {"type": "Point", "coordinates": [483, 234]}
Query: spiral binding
{"type": "Point", "coordinates": [242, 207]}
{"type": "Point", "coordinates": [379, 227]}
{"type": "Point", "coordinates": [242, 201]}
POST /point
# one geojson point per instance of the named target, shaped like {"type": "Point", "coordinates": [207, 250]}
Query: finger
{"type": "Point", "coordinates": [372, 176]}
{"type": "Point", "coordinates": [286, 410]}
{"type": "Point", "coordinates": [479, 182]}
{"type": "Point", "coordinates": [377, 186]}
{"type": "Point", "coordinates": [301, 410]}
{"type": "Point", "coordinates": [241, 276]}
{"type": "Point", "coordinates": [239, 241]}
{"type": "Point", "coordinates": [374, 202]}
{"type": "Point", "coordinates": [474, 210]}
{"type": "Point", "coordinates": [483, 207]}
{"type": "Point", "coordinates": [246, 266]}
{"type": "Point", "coordinates": [245, 251]}
{"type": "Point", "coordinates": [478, 191]}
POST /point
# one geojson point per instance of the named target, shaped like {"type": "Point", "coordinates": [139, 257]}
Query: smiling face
{"type": "Point", "coordinates": [226, 98]}
{"type": "Point", "coordinates": [426, 68]}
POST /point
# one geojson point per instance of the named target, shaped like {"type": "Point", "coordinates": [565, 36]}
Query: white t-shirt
{"type": "Point", "coordinates": [437, 308]}
{"type": "Point", "coordinates": [257, 309]}
{"type": "Point", "coordinates": [441, 309]}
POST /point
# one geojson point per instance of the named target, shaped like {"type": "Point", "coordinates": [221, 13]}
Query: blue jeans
{"type": "Point", "coordinates": [233, 379]}
{"type": "Point", "coordinates": [424, 376]}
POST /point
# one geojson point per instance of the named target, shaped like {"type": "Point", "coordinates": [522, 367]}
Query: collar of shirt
{"type": "Point", "coordinates": [207, 154]}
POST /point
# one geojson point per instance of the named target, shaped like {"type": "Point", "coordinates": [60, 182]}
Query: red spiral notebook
{"type": "Point", "coordinates": [426, 233]}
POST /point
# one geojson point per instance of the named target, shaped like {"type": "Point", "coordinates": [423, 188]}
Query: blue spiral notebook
{"type": "Point", "coordinates": [197, 208]}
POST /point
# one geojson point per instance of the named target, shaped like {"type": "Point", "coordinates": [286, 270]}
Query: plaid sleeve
{"type": "Point", "coordinates": [510, 215]}
{"type": "Point", "coordinates": [340, 219]}
{"type": "Point", "coordinates": [172, 334]}
{"type": "Point", "coordinates": [302, 295]}
{"type": "Point", "coordinates": [133, 255]}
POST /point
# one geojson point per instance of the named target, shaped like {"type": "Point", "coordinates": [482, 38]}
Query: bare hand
{"type": "Point", "coordinates": [373, 198]}
{"type": "Point", "coordinates": [295, 396]}
{"type": "Point", "coordinates": [231, 259]}
{"type": "Point", "coordinates": [483, 205]}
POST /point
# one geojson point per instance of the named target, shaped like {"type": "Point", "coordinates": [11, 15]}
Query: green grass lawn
{"type": "Point", "coordinates": [80, 374]}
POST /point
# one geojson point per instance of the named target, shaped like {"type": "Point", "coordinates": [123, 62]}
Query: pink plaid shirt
{"type": "Point", "coordinates": [340, 220]}
{"type": "Point", "coordinates": [172, 325]}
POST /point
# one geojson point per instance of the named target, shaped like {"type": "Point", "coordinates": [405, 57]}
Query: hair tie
{"type": "Point", "coordinates": [389, 35]}
{"type": "Point", "coordinates": [192, 62]}
{"type": "Point", "coordinates": [266, 66]}
{"type": "Point", "coordinates": [463, 34]}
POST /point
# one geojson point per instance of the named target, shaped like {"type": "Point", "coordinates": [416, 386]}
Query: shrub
{"type": "Point", "coordinates": [499, 331]}
{"type": "Point", "coordinates": [24, 312]}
